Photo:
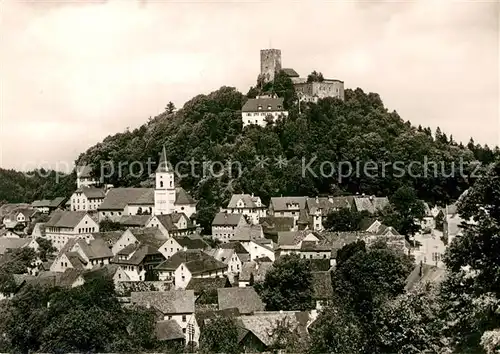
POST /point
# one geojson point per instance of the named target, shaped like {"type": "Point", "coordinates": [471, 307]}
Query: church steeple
{"type": "Point", "coordinates": [163, 165]}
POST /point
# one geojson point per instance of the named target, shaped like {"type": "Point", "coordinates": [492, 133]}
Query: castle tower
{"type": "Point", "coordinates": [270, 63]}
{"type": "Point", "coordinates": [165, 186]}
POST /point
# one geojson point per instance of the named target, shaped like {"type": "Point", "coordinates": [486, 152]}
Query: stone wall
{"type": "Point", "coordinates": [270, 63]}
{"type": "Point", "coordinates": [312, 91]}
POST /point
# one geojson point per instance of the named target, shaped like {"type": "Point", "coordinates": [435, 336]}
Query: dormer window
{"type": "Point", "coordinates": [269, 107]}
{"type": "Point", "coordinates": [279, 106]}
{"type": "Point", "coordinates": [259, 108]}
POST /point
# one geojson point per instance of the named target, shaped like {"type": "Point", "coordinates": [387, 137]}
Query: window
{"type": "Point", "coordinates": [183, 278]}
{"type": "Point", "coordinates": [183, 330]}
{"type": "Point", "coordinates": [161, 184]}
{"type": "Point", "coordinates": [183, 318]}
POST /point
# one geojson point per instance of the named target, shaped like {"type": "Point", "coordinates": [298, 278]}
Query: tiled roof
{"type": "Point", "coordinates": [163, 164]}
{"type": "Point", "coordinates": [168, 330]}
{"type": "Point", "coordinates": [10, 243]}
{"type": "Point", "coordinates": [27, 212]}
{"type": "Point", "coordinates": [328, 204]}
{"type": "Point", "coordinates": [314, 246]}
{"type": "Point", "coordinates": [226, 219]}
{"type": "Point", "coordinates": [169, 220]}
{"type": "Point", "coordinates": [284, 203]}
{"type": "Point", "coordinates": [322, 285]}
{"type": "Point", "coordinates": [221, 254]}
{"type": "Point", "coordinates": [290, 238]}
{"type": "Point", "coordinates": [41, 203]}
{"type": "Point", "coordinates": [236, 246]}
{"type": "Point", "coordinates": [104, 271]}
{"type": "Point", "coordinates": [138, 252]}
{"type": "Point", "coordinates": [95, 249]}
{"type": "Point", "coordinates": [75, 259]}
{"type": "Point", "coordinates": [134, 220]}
{"type": "Point", "coordinates": [167, 302]}
{"type": "Point", "coordinates": [67, 247]}
{"type": "Point", "coordinates": [149, 235]}
{"type": "Point", "coordinates": [182, 197]}
{"type": "Point", "coordinates": [119, 198]}
{"type": "Point", "coordinates": [192, 242]}
{"type": "Point", "coordinates": [371, 204]}
{"type": "Point", "coordinates": [92, 192]}
{"type": "Point", "coordinates": [263, 104]}
{"type": "Point", "coordinates": [290, 72]}
{"type": "Point", "coordinates": [246, 299]}
{"type": "Point", "coordinates": [69, 276]}
{"type": "Point", "coordinates": [84, 171]}
{"type": "Point", "coordinates": [196, 262]}
{"type": "Point", "coordinates": [200, 285]}
{"type": "Point", "coordinates": [110, 237]}
{"type": "Point", "coordinates": [258, 269]}
{"type": "Point", "coordinates": [249, 201]}
{"type": "Point", "coordinates": [277, 223]}
{"type": "Point", "coordinates": [57, 202]}
{"type": "Point", "coordinates": [68, 219]}
{"type": "Point", "coordinates": [247, 232]}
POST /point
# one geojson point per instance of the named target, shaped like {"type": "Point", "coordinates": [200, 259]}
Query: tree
{"type": "Point", "coordinates": [170, 108]}
{"type": "Point", "coordinates": [45, 248]}
{"type": "Point", "coordinates": [19, 260]}
{"type": "Point", "coordinates": [219, 335]}
{"type": "Point", "coordinates": [470, 292]}
{"type": "Point", "coordinates": [315, 77]}
{"type": "Point", "coordinates": [108, 225]}
{"type": "Point", "coordinates": [405, 212]}
{"type": "Point", "coordinates": [344, 219]}
{"type": "Point", "coordinates": [287, 285]}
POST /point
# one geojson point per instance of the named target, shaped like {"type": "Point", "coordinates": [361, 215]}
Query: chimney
{"type": "Point", "coordinates": [330, 199]}
{"type": "Point", "coordinates": [317, 199]}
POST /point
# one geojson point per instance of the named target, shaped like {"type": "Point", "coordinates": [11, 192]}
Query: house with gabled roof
{"type": "Point", "coordinates": [246, 300]}
{"type": "Point", "coordinates": [248, 205]}
{"type": "Point", "coordinates": [177, 305]}
{"type": "Point", "coordinates": [109, 237]}
{"type": "Point", "coordinates": [134, 220]}
{"type": "Point", "coordinates": [318, 208]}
{"type": "Point", "coordinates": [238, 248]}
{"type": "Point", "coordinates": [87, 198]}
{"type": "Point", "coordinates": [294, 207]}
{"type": "Point", "coordinates": [307, 244]}
{"type": "Point", "coordinates": [84, 176]}
{"type": "Point", "coordinates": [65, 225]}
{"type": "Point", "coordinates": [43, 206]}
{"type": "Point", "coordinates": [185, 265]}
{"type": "Point", "coordinates": [254, 271]}
{"type": "Point", "coordinates": [224, 225]}
{"type": "Point", "coordinates": [227, 256]}
{"type": "Point", "coordinates": [12, 243]}
{"type": "Point", "coordinates": [126, 201]}
{"type": "Point", "coordinates": [175, 244]}
{"type": "Point", "coordinates": [138, 261]}
{"type": "Point", "coordinates": [205, 289]}
{"type": "Point", "coordinates": [93, 252]}
{"type": "Point", "coordinates": [151, 236]}
{"type": "Point", "coordinates": [260, 110]}
{"type": "Point", "coordinates": [175, 224]}
{"type": "Point", "coordinates": [371, 204]}
{"type": "Point", "coordinates": [321, 283]}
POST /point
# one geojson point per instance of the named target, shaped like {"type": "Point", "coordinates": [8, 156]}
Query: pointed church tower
{"type": "Point", "coordinates": [165, 186]}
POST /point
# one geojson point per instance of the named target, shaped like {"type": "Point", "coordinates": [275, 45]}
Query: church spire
{"type": "Point", "coordinates": [163, 165]}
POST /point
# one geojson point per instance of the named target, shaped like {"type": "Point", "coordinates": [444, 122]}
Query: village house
{"type": "Point", "coordinates": [306, 244]}
{"type": "Point", "coordinates": [66, 259]}
{"type": "Point", "coordinates": [246, 300]}
{"type": "Point", "coordinates": [429, 248]}
{"type": "Point", "coordinates": [371, 203]}
{"type": "Point", "coordinates": [109, 237]}
{"type": "Point", "coordinates": [134, 220]}
{"type": "Point", "coordinates": [133, 236]}
{"type": "Point", "coordinates": [224, 225]}
{"type": "Point", "coordinates": [247, 205]}
{"type": "Point", "coordinates": [185, 265]}
{"type": "Point", "coordinates": [294, 207]}
{"type": "Point", "coordinates": [12, 243]}
{"type": "Point", "coordinates": [377, 228]}
{"type": "Point", "coordinates": [43, 206]}
{"type": "Point", "coordinates": [138, 261]}
{"type": "Point", "coordinates": [84, 176]}
{"type": "Point", "coordinates": [238, 248]}
{"type": "Point", "coordinates": [87, 199]}
{"type": "Point", "coordinates": [126, 201]}
{"type": "Point", "coordinates": [176, 305]}
{"type": "Point", "coordinates": [227, 256]}
{"type": "Point", "coordinates": [94, 252]}
{"type": "Point", "coordinates": [252, 272]}
{"type": "Point", "coordinates": [318, 209]}
{"type": "Point", "coordinates": [175, 224]}
{"type": "Point", "coordinates": [262, 110]}
{"type": "Point", "coordinates": [322, 289]}
{"type": "Point", "coordinates": [176, 244]}
{"type": "Point", "coordinates": [65, 225]}
{"type": "Point", "coordinates": [19, 218]}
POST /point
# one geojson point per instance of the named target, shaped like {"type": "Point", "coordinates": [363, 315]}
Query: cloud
{"type": "Point", "coordinates": [73, 73]}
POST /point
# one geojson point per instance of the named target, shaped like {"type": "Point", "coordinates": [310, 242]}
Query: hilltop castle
{"type": "Point", "coordinates": [270, 64]}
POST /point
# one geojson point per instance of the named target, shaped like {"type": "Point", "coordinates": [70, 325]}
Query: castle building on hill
{"type": "Point", "coordinates": [270, 64]}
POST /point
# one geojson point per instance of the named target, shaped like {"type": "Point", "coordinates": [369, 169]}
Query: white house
{"type": "Point", "coordinates": [185, 265]}
{"type": "Point", "coordinates": [136, 260]}
{"type": "Point", "coordinates": [176, 244]}
{"type": "Point", "coordinates": [227, 256]}
{"type": "Point", "coordinates": [65, 225]}
{"type": "Point", "coordinates": [294, 207]}
{"type": "Point", "coordinates": [177, 305]}
{"type": "Point", "coordinates": [224, 225]}
{"type": "Point", "coordinates": [429, 248]}
{"type": "Point", "coordinates": [84, 176]}
{"type": "Point", "coordinates": [248, 205]}
{"type": "Point", "coordinates": [306, 244]}
{"type": "Point", "coordinates": [126, 201]}
{"type": "Point", "coordinates": [261, 110]}
{"type": "Point", "coordinates": [133, 236]}
{"type": "Point", "coordinates": [175, 224]}
{"type": "Point", "coordinates": [87, 199]}
{"type": "Point", "coordinates": [93, 252]}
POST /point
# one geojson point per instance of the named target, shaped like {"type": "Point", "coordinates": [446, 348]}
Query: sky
{"type": "Point", "coordinates": [73, 73]}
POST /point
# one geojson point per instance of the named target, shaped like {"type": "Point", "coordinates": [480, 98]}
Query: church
{"type": "Point", "coordinates": [164, 199]}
